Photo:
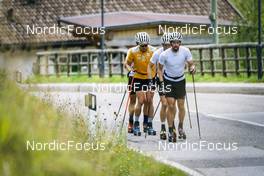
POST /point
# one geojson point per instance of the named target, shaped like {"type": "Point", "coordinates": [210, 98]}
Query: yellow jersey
{"type": "Point", "coordinates": [141, 61]}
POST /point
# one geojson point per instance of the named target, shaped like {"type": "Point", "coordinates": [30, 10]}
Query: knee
{"type": "Point", "coordinates": [141, 101]}
{"type": "Point", "coordinates": [181, 108]}
{"type": "Point", "coordinates": [164, 104]}
{"type": "Point", "coordinates": [171, 106]}
{"type": "Point", "coordinates": [133, 101]}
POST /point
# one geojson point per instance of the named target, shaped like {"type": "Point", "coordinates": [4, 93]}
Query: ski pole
{"type": "Point", "coordinates": [156, 108]}
{"type": "Point", "coordinates": [128, 99]}
{"type": "Point", "coordinates": [188, 109]}
{"type": "Point", "coordinates": [195, 99]}
{"type": "Point", "coordinates": [121, 104]}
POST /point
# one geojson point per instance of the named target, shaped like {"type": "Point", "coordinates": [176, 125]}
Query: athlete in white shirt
{"type": "Point", "coordinates": [154, 62]}
{"type": "Point", "coordinates": [173, 61]}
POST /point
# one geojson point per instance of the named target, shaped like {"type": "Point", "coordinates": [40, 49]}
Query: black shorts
{"type": "Point", "coordinates": [161, 93]}
{"type": "Point", "coordinates": [175, 90]}
{"type": "Point", "coordinates": [143, 85]}
{"type": "Point", "coordinates": [129, 86]}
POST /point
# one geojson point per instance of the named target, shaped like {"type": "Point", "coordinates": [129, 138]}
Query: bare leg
{"type": "Point", "coordinates": [171, 111]}
{"type": "Point", "coordinates": [181, 108]}
{"type": "Point", "coordinates": [163, 109]}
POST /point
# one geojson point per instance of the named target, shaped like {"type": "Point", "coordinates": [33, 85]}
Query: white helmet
{"type": "Point", "coordinates": [142, 38]}
{"type": "Point", "coordinates": [165, 39]}
{"type": "Point", "coordinates": [175, 36]}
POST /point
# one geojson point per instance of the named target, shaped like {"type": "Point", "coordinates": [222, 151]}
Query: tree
{"type": "Point", "coordinates": [248, 26]}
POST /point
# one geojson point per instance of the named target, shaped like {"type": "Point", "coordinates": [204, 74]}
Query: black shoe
{"type": "Point", "coordinates": [172, 137]}
{"type": "Point", "coordinates": [163, 135]}
{"type": "Point", "coordinates": [182, 134]}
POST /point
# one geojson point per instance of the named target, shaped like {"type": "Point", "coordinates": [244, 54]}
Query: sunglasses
{"type": "Point", "coordinates": [143, 46]}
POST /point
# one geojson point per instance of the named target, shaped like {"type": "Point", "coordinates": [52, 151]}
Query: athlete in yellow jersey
{"type": "Point", "coordinates": [140, 57]}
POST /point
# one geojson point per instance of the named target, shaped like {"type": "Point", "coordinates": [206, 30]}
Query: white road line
{"type": "Point", "coordinates": [236, 120]}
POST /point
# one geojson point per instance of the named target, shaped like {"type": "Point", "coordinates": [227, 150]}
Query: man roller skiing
{"type": "Point", "coordinates": [140, 56]}
{"type": "Point", "coordinates": [132, 97]}
{"type": "Point", "coordinates": [173, 62]}
{"type": "Point", "coordinates": [154, 62]}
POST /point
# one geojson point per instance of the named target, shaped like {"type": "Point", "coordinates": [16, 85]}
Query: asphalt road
{"type": "Point", "coordinates": [232, 129]}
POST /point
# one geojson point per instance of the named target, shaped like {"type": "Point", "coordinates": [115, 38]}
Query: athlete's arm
{"type": "Point", "coordinates": [160, 72]}
{"type": "Point", "coordinates": [129, 61]}
{"type": "Point", "coordinates": [128, 66]}
{"type": "Point", "coordinates": [150, 66]}
{"type": "Point", "coordinates": [191, 66]}
{"type": "Point", "coordinates": [190, 62]}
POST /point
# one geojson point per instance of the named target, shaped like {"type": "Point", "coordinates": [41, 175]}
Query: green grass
{"type": "Point", "coordinates": [117, 79]}
{"type": "Point", "coordinates": [23, 117]}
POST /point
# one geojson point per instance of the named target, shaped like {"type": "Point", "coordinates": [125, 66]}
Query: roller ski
{"type": "Point", "coordinates": [182, 134]}
{"type": "Point", "coordinates": [136, 129]}
{"type": "Point", "coordinates": [172, 137]}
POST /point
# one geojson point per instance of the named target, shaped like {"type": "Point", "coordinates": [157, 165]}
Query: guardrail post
{"type": "Point", "coordinates": [248, 62]}
{"type": "Point", "coordinates": [89, 66]}
{"type": "Point", "coordinates": [201, 61]}
{"type": "Point", "coordinates": [122, 64]}
{"type": "Point", "coordinates": [236, 61]}
{"type": "Point", "coordinates": [212, 62]}
{"type": "Point", "coordinates": [223, 55]}
{"type": "Point", "coordinates": [110, 64]}
{"type": "Point", "coordinates": [68, 64]}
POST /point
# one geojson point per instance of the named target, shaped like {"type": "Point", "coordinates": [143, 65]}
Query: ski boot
{"type": "Point", "coordinates": [172, 137]}
{"type": "Point", "coordinates": [130, 127]}
{"type": "Point", "coordinates": [163, 135]}
{"type": "Point", "coordinates": [136, 129]}
{"type": "Point", "coordinates": [182, 134]}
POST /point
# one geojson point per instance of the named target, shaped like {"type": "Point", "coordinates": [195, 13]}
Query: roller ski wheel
{"type": "Point", "coordinates": [163, 135]}
{"type": "Point", "coordinates": [182, 134]}
{"type": "Point", "coordinates": [130, 128]}
{"type": "Point", "coordinates": [136, 129]}
{"type": "Point", "coordinates": [151, 131]}
{"type": "Point", "coordinates": [172, 137]}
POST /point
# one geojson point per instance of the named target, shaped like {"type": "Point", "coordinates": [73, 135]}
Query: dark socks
{"type": "Point", "coordinates": [131, 119]}
{"type": "Point", "coordinates": [163, 128]}
{"type": "Point", "coordinates": [180, 125]}
{"type": "Point", "coordinates": [145, 121]}
{"type": "Point", "coordinates": [170, 129]}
